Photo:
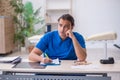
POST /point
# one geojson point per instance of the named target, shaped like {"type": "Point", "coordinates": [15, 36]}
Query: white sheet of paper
{"type": "Point", "coordinates": [4, 65]}
{"type": "Point", "coordinates": [5, 59]}
{"type": "Point", "coordinates": [89, 66]}
{"type": "Point", "coordinates": [54, 62]}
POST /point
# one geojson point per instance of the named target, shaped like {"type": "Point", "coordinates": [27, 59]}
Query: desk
{"type": "Point", "coordinates": [66, 68]}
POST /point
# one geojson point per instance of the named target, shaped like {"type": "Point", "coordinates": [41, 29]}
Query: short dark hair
{"type": "Point", "coordinates": [67, 17]}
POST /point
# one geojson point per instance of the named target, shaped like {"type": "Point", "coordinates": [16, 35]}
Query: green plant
{"type": "Point", "coordinates": [31, 18]}
{"type": "Point", "coordinates": [25, 18]}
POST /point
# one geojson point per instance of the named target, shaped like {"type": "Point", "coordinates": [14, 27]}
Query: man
{"type": "Point", "coordinates": [63, 43]}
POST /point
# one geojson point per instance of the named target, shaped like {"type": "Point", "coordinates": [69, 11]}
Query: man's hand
{"type": "Point", "coordinates": [69, 33]}
{"type": "Point", "coordinates": [47, 60]}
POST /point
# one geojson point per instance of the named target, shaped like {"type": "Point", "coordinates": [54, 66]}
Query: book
{"type": "Point", "coordinates": [14, 60]}
{"type": "Point", "coordinates": [54, 62]}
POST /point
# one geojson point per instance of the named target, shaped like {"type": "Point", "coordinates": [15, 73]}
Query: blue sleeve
{"type": "Point", "coordinates": [43, 43]}
{"type": "Point", "coordinates": [80, 39]}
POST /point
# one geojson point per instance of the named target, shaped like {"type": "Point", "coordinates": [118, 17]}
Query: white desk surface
{"type": "Point", "coordinates": [67, 67]}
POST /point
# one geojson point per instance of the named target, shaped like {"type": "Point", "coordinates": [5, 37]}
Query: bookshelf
{"type": "Point", "coordinates": [54, 9]}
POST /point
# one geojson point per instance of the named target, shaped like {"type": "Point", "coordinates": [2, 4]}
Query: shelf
{"type": "Point", "coordinates": [52, 23]}
{"type": "Point", "coordinates": [58, 4]}
{"type": "Point", "coordinates": [56, 8]}
{"type": "Point", "coordinates": [52, 16]}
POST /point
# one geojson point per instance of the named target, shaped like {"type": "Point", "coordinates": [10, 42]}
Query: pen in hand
{"type": "Point", "coordinates": [46, 55]}
{"type": "Point", "coordinates": [47, 59]}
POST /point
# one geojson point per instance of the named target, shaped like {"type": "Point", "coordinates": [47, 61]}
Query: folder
{"type": "Point", "coordinates": [13, 60]}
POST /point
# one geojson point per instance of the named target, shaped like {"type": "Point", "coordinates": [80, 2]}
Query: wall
{"type": "Point", "coordinates": [96, 16]}
{"type": "Point", "coordinates": [92, 16]}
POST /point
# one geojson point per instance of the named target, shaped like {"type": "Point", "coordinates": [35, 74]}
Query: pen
{"type": "Point", "coordinates": [46, 55]}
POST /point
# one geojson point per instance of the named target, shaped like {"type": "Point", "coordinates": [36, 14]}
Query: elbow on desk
{"type": "Point", "coordinates": [30, 57]}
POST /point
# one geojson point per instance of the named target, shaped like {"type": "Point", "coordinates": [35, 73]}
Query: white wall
{"type": "Point", "coordinates": [92, 16]}
{"type": "Point", "coordinates": [96, 16]}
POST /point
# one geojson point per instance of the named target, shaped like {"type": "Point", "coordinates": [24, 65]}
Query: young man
{"type": "Point", "coordinates": [63, 43]}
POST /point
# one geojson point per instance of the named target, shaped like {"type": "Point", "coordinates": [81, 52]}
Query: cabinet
{"type": "Point", "coordinates": [54, 9]}
{"type": "Point", "coordinates": [6, 35]}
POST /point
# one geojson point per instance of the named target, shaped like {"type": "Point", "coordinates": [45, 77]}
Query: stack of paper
{"type": "Point", "coordinates": [54, 62]}
{"type": "Point", "coordinates": [15, 59]}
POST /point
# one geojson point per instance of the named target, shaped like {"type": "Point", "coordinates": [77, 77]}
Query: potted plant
{"type": "Point", "coordinates": [25, 18]}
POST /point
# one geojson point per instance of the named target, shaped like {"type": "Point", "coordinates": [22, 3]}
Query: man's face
{"type": "Point", "coordinates": [63, 27]}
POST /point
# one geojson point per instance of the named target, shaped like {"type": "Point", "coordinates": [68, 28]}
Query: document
{"type": "Point", "coordinates": [15, 59]}
{"type": "Point", "coordinates": [54, 62]}
{"type": "Point", "coordinates": [89, 66]}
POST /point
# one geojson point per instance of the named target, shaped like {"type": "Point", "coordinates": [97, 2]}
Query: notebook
{"type": "Point", "coordinates": [54, 62]}
{"type": "Point", "coordinates": [14, 60]}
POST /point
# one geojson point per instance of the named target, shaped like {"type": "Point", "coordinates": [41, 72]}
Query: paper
{"type": "Point", "coordinates": [54, 62]}
{"type": "Point", "coordinates": [4, 66]}
{"type": "Point", "coordinates": [10, 59]}
{"type": "Point", "coordinates": [89, 66]}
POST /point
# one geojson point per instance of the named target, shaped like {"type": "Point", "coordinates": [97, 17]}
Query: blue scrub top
{"type": "Point", "coordinates": [55, 47]}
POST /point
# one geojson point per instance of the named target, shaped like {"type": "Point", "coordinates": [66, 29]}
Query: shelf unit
{"type": "Point", "coordinates": [6, 35]}
{"type": "Point", "coordinates": [54, 9]}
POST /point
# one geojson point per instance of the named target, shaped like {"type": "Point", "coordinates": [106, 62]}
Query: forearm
{"type": "Point", "coordinates": [35, 57]}
{"type": "Point", "coordinates": [80, 52]}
